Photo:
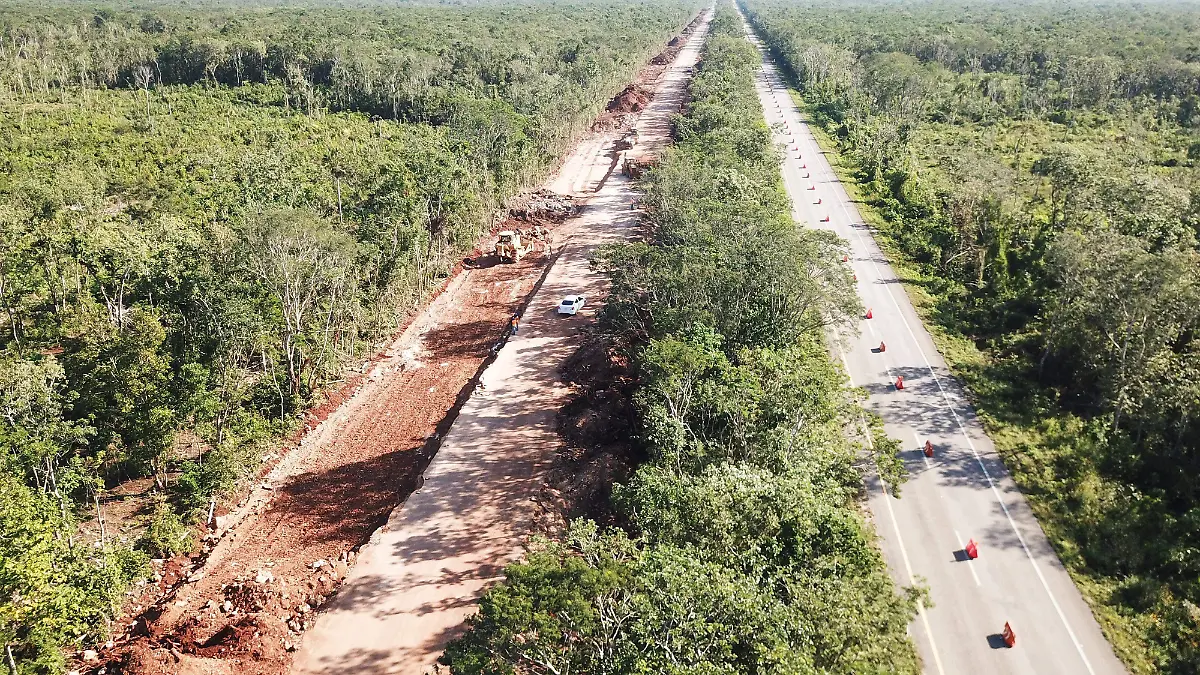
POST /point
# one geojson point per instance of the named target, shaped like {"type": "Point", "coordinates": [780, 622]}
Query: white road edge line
{"type": "Point", "coordinates": [946, 398]}
{"type": "Point", "coordinates": [887, 500]}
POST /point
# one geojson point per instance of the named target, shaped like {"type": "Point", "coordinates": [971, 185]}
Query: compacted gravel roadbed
{"type": "Point", "coordinates": [421, 574]}
{"type": "Point", "coordinates": [281, 559]}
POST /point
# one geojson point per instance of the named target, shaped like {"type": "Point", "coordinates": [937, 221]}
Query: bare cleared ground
{"type": "Point", "coordinates": [321, 502]}
{"type": "Point", "coordinates": [421, 574]}
{"type": "Point", "coordinates": [241, 605]}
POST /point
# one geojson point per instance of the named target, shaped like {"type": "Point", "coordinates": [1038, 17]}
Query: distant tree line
{"type": "Point", "coordinates": [1038, 165]}
{"type": "Point", "coordinates": [415, 64]}
{"type": "Point", "coordinates": [192, 248]}
{"type": "Point", "coordinates": [744, 548]}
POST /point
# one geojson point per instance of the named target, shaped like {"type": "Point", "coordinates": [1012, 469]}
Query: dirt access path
{"type": "Point", "coordinates": [242, 607]}
{"type": "Point", "coordinates": [421, 574]}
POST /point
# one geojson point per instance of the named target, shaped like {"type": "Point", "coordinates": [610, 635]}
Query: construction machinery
{"type": "Point", "coordinates": [627, 141]}
{"type": "Point", "coordinates": [510, 248]}
{"type": "Point", "coordinates": [513, 244]}
{"type": "Point", "coordinates": [633, 167]}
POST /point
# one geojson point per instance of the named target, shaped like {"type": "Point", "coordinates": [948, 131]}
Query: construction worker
{"type": "Point", "coordinates": [514, 323]}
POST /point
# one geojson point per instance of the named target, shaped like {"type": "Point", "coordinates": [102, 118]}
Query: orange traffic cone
{"type": "Point", "coordinates": [870, 314]}
{"type": "Point", "coordinates": [928, 448]}
{"type": "Point", "coordinates": [803, 166]}
{"type": "Point", "coordinates": [1010, 638]}
{"type": "Point", "coordinates": [825, 219]}
{"type": "Point", "coordinates": [845, 258]}
{"type": "Point", "coordinates": [818, 201]}
{"type": "Point", "coordinates": [899, 382]}
{"type": "Point", "coordinates": [812, 187]}
{"type": "Point", "coordinates": [972, 550]}
{"type": "Point", "coordinates": [806, 175]}
{"type": "Point", "coordinates": [882, 347]}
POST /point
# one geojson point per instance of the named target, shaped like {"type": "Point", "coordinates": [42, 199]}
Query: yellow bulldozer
{"type": "Point", "coordinates": [510, 248]}
{"type": "Point", "coordinates": [635, 168]}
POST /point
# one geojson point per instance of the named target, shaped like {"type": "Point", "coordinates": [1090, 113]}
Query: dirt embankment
{"type": "Point", "coordinates": [240, 604]}
{"type": "Point", "coordinates": [632, 99]}
{"type": "Point", "coordinates": [596, 427]}
{"type": "Point", "coordinates": [625, 106]}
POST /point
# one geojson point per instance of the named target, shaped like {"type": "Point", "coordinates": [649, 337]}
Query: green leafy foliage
{"type": "Point", "coordinates": [744, 550]}
{"type": "Point", "coordinates": [1032, 168]}
{"type": "Point", "coordinates": [56, 591]}
{"type": "Point", "coordinates": [206, 213]}
{"type": "Point", "coordinates": [886, 452]}
{"type": "Point", "coordinates": [165, 534]}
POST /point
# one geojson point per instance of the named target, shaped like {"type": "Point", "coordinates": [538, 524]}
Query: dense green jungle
{"type": "Point", "coordinates": [207, 211]}
{"type": "Point", "coordinates": [1033, 169]}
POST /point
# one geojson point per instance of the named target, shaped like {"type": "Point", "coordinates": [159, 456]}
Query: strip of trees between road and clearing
{"type": "Point", "coordinates": [739, 545]}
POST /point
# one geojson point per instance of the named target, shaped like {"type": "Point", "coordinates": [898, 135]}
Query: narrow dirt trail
{"type": "Point", "coordinates": [421, 574]}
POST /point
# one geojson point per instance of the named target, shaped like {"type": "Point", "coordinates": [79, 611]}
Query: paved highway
{"type": "Point", "coordinates": [963, 492]}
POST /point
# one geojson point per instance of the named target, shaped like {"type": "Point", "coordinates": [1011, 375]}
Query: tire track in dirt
{"type": "Point", "coordinates": [285, 552]}
{"type": "Point", "coordinates": [420, 575]}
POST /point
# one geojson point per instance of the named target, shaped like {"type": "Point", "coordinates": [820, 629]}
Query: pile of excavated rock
{"type": "Point", "coordinates": [542, 205]}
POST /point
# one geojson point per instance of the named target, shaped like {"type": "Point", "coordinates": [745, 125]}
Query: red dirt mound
{"type": "Point", "coordinates": [632, 99]}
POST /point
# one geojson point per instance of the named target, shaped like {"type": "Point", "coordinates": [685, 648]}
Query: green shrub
{"type": "Point", "coordinates": [166, 534]}
{"type": "Point", "coordinates": [54, 591]}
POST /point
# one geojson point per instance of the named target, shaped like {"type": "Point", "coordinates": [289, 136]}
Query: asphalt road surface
{"type": "Point", "coordinates": [421, 574]}
{"type": "Point", "coordinates": [963, 492]}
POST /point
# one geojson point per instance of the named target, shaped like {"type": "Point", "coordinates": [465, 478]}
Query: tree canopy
{"type": "Point", "coordinates": [1034, 165]}
{"type": "Point", "coordinates": [743, 549]}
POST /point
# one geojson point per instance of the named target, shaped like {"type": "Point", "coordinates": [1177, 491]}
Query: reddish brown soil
{"type": "Point", "coordinates": [668, 55]}
{"type": "Point", "coordinates": [234, 612]}
{"type": "Point", "coordinates": [623, 109]}
{"type": "Point", "coordinates": [243, 610]}
{"type": "Point", "coordinates": [632, 100]}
